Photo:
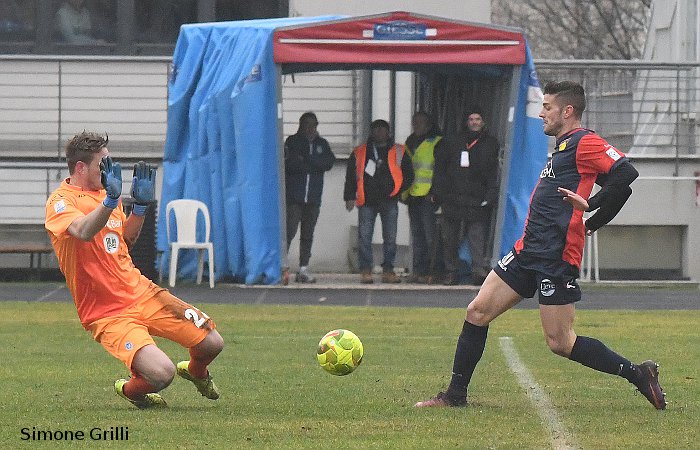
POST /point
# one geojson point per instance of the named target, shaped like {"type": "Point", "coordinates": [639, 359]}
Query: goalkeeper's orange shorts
{"type": "Point", "coordinates": [162, 315]}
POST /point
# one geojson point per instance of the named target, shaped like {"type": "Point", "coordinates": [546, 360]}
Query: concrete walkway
{"type": "Point", "coordinates": [343, 289]}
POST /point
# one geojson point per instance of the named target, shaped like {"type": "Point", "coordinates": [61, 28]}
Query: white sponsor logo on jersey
{"type": "Point", "coordinates": [612, 153]}
{"type": "Point", "coordinates": [548, 171]}
{"type": "Point", "coordinates": [114, 223]}
{"type": "Point", "coordinates": [59, 206]}
{"type": "Point", "coordinates": [111, 242]}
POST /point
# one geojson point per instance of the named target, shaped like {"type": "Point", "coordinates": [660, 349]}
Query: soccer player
{"type": "Point", "coordinates": [121, 308]}
{"type": "Point", "coordinates": [548, 256]}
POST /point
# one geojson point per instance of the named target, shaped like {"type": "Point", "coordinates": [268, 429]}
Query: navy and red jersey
{"type": "Point", "coordinates": [554, 230]}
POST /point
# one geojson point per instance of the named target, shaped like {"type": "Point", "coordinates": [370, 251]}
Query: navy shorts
{"type": "Point", "coordinates": [555, 280]}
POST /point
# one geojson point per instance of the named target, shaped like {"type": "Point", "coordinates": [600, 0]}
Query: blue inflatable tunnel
{"type": "Point", "coordinates": [224, 141]}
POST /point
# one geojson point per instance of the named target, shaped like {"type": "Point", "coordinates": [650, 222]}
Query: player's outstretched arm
{"type": "Point", "coordinates": [86, 227]}
{"type": "Point", "coordinates": [613, 195]}
{"type": "Point", "coordinates": [143, 193]}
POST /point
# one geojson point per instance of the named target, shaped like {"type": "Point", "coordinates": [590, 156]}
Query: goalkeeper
{"type": "Point", "coordinates": [121, 308]}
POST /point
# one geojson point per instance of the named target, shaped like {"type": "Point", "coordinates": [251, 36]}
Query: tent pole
{"type": "Point", "coordinates": [392, 100]}
{"type": "Point", "coordinates": [281, 181]}
{"type": "Point", "coordinates": [505, 169]}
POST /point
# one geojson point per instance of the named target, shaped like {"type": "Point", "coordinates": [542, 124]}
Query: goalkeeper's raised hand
{"type": "Point", "coordinates": [143, 186]}
{"type": "Point", "coordinates": [111, 177]}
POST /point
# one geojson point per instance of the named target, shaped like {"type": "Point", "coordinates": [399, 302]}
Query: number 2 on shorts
{"type": "Point", "coordinates": [192, 315]}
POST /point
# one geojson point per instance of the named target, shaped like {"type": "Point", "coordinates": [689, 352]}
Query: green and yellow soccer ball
{"type": "Point", "coordinates": [339, 352]}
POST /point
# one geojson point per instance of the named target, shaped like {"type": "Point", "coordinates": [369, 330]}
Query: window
{"type": "Point", "coordinates": [251, 9]}
{"type": "Point", "coordinates": [158, 21]}
{"type": "Point", "coordinates": [17, 20]}
{"type": "Point", "coordinates": [115, 27]}
{"type": "Point", "coordinates": [85, 22]}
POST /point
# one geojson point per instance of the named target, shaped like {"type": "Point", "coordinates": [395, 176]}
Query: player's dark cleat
{"type": "Point", "coordinates": [205, 386]}
{"type": "Point", "coordinates": [152, 400]}
{"type": "Point", "coordinates": [648, 384]}
{"type": "Point", "coordinates": [442, 400]}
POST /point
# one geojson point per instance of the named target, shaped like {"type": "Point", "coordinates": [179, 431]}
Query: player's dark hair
{"type": "Point", "coordinates": [433, 129]}
{"type": "Point", "coordinates": [475, 109]}
{"type": "Point", "coordinates": [83, 147]}
{"type": "Point", "coordinates": [308, 116]}
{"type": "Point", "coordinates": [379, 123]}
{"type": "Point", "coordinates": [422, 113]}
{"type": "Point", "coordinates": [568, 93]}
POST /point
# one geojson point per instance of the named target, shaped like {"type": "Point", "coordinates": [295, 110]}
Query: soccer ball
{"type": "Point", "coordinates": [339, 352]}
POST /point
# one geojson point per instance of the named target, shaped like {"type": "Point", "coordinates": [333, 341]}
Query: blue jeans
{"type": "Point", "coordinates": [421, 213]}
{"type": "Point", "coordinates": [367, 215]}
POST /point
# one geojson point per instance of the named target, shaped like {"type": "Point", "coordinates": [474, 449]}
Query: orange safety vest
{"type": "Point", "coordinates": [394, 157]}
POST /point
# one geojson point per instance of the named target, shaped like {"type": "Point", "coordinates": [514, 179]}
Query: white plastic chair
{"type": "Point", "coordinates": [186, 221]}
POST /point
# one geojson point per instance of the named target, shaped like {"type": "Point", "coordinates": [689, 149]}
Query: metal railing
{"type": "Point", "coordinates": [645, 108]}
{"type": "Point", "coordinates": [47, 99]}
{"type": "Point", "coordinates": [25, 188]}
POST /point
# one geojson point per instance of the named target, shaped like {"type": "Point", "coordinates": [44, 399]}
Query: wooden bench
{"type": "Point", "coordinates": [32, 248]}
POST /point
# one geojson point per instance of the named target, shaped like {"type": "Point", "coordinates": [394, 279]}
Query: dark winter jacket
{"type": "Point", "coordinates": [305, 164]}
{"type": "Point", "coordinates": [378, 188]}
{"type": "Point", "coordinates": [474, 188]}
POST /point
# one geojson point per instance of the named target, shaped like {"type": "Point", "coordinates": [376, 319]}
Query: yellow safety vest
{"type": "Point", "coordinates": [423, 161]}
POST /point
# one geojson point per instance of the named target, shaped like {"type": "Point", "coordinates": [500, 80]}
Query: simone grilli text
{"type": "Point", "coordinates": [92, 434]}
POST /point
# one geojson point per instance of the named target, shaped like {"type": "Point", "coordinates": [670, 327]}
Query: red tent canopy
{"type": "Point", "coordinates": [398, 38]}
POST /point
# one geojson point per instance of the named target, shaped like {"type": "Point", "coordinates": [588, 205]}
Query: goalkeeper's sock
{"type": "Point", "coordinates": [470, 347]}
{"type": "Point", "coordinates": [594, 354]}
{"type": "Point", "coordinates": [199, 363]}
{"type": "Point", "coordinates": [137, 387]}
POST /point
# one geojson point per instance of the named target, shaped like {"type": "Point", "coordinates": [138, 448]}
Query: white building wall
{"type": "Point", "coordinates": [471, 10]}
{"type": "Point", "coordinates": [125, 98]}
{"type": "Point", "coordinates": [128, 100]}
{"type": "Point", "coordinates": [332, 239]}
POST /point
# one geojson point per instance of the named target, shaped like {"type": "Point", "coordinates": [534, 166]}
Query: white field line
{"type": "Point", "coordinates": [261, 297]}
{"type": "Point", "coordinates": [49, 294]}
{"type": "Point", "coordinates": [561, 437]}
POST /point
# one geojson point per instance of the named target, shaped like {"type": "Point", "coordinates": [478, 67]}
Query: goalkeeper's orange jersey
{"type": "Point", "coordinates": [100, 273]}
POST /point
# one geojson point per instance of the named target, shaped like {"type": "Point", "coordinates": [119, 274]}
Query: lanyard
{"type": "Point", "coordinates": [472, 143]}
{"type": "Point", "coordinates": [376, 155]}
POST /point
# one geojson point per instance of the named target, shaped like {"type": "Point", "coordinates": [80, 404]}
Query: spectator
{"type": "Point", "coordinates": [74, 23]}
{"type": "Point", "coordinates": [16, 20]}
{"type": "Point", "coordinates": [376, 175]}
{"type": "Point", "coordinates": [307, 156]}
{"type": "Point", "coordinates": [465, 184]}
{"type": "Point", "coordinates": [421, 145]}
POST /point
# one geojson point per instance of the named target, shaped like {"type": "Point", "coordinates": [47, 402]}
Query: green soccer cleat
{"type": "Point", "coordinates": [152, 400]}
{"type": "Point", "coordinates": [205, 386]}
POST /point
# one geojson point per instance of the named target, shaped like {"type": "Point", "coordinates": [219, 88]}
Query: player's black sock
{"type": "Point", "coordinates": [470, 347]}
{"type": "Point", "coordinates": [594, 354]}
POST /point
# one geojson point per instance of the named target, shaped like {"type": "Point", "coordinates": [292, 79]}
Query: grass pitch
{"type": "Point", "coordinates": [54, 377]}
